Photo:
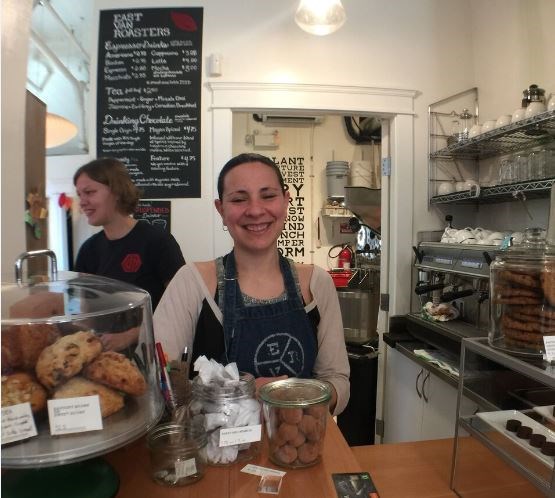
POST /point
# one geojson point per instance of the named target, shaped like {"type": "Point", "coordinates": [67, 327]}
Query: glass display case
{"type": "Point", "coordinates": [68, 396]}
{"type": "Point", "coordinates": [507, 447]}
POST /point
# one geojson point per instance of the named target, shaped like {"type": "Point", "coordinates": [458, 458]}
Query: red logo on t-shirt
{"type": "Point", "coordinates": [131, 263]}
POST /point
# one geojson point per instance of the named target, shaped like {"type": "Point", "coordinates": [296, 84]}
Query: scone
{"type": "Point", "coordinates": [67, 357]}
{"type": "Point", "coordinates": [22, 388]}
{"type": "Point", "coordinates": [22, 344]}
{"type": "Point", "coordinates": [116, 371]}
{"type": "Point", "coordinates": [110, 400]}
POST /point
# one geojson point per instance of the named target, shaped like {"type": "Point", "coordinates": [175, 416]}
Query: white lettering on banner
{"type": "Point", "coordinates": [291, 243]}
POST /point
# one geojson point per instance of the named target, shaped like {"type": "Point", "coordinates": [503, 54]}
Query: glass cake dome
{"type": "Point", "coordinates": [57, 359]}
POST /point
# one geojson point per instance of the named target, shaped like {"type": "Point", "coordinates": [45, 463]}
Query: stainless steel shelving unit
{"type": "Point", "coordinates": [525, 134]}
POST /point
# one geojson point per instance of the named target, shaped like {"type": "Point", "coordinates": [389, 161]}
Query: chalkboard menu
{"type": "Point", "coordinates": [149, 83]}
{"type": "Point", "coordinates": [157, 213]}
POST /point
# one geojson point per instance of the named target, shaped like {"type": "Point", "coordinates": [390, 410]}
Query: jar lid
{"type": "Point", "coordinates": [295, 392]}
{"type": "Point", "coordinates": [533, 248]}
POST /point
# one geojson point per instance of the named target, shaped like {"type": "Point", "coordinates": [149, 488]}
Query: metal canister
{"type": "Point", "coordinates": [177, 453]}
{"type": "Point", "coordinates": [295, 411]}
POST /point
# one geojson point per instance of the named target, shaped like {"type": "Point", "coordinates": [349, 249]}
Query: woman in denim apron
{"type": "Point", "coordinates": [254, 307]}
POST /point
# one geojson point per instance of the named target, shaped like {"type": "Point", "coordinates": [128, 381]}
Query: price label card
{"type": "Point", "coordinates": [185, 468]}
{"type": "Point", "coordinates": [17, 423]}
{"type": "Point", "coordinates": [69, 415]}
{"type": "Point", "coordinates": [257, 470]}
{"type": "Point", "coordinates": [240, 435]}
{"type": "Point", "coordinates": [549, 343]}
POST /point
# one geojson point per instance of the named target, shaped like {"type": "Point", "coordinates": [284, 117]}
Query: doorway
{"type": "Point", "coordinates": [396, 109]}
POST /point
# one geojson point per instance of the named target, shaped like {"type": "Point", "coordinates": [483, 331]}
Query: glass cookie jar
{"type": "Point", "coordinates": [230, 414]}
{"type": "Point", "coordinates": [296, 411]}
{"type": "Point", "coordinates": [522, 290]}
{"type": "Point", "coordinates": [177, 453]}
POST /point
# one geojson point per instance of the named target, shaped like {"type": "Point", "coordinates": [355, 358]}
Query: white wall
{"type": "Point", "coordinates": [15, 34]}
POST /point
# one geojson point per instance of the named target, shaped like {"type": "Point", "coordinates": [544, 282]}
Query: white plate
{"type": "Point", "coordinates": [546, 412]}
{"type": "Point", "coordinates": [497, 420]}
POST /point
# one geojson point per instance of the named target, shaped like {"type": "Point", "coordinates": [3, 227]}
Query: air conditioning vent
{"type": "Point", "coordinates": [287, 119]}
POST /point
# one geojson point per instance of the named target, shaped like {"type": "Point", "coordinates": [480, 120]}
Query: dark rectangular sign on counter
{"type": "Point", "coordinates": [148, 97]}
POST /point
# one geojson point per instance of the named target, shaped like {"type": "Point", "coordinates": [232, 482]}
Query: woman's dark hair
{"type": "Point", "coordinates": [113, 173]}
{"type": "Point", "coordinates": [248, 157]}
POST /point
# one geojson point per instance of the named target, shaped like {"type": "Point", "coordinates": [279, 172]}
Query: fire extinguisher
{"type": "Point", "coordinates": [345, 257]}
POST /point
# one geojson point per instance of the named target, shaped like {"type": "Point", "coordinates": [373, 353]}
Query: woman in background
{"type": "Point", "coordinates": [137, 253]}
{"type": "Point", "coordinates": [271, 316]}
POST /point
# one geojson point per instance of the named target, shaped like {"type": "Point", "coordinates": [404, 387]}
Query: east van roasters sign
{"type": "Point", "coordinates": [148, 115]}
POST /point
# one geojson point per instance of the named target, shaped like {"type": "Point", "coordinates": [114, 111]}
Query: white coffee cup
{"type": "Point", "coordinates": [503, 120]}
{"type": "Point", "coordinates": [475, 131]}
{"type": "Point", "coordinates": [488, 125]}
{"type": "Point", "coordinates": [445, 188]}
{"type": "Point", "coordinates": [495, 239]}
{"type": "Point", "coordinates": [518, 114]}
{"type": "Point", "coordinates": [463, 235]}
{"type": "Point", "coordinates": [534, 108]}
{"type": "Point", "coordinates": [460, 186]}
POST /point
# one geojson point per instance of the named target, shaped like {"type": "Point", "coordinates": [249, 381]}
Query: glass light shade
{"type": "Point", "coordinates": [59, 130]}
{"type": "Point", "coordinates": [320, 17]}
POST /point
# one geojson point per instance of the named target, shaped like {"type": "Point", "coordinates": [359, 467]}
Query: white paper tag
{"type": "Point", "coordinates": [257, 470]}
{"type": "Point", "coordinates": [17, 423]}
{"type": "Point", "coordinates": [70, 415]}
{"type": "Point", "coordinates": [240, 435]}
{"type": "Point", "coordinates": [549, 343]}
{"type": "Point", "coordinates": [185, 468]}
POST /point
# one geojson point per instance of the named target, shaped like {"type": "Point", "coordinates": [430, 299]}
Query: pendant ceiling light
{"type": "Point", "coordinates": [59, 130]}
{"type": "Point", "coordinates": [320, 17]}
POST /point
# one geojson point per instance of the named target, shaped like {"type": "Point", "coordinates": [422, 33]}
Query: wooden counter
{"type": "Point", "coordinates": [423, 470]}
{"type": "Point", "coordinates": [132, 465]}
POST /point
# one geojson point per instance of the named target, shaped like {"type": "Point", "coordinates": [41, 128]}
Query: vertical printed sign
{"type": "Point", "coordinates": [149, 84]}
{"type": "Point", "coordinates": [156, 213]}
{"type": "Point", "coordinates": [291, 243]}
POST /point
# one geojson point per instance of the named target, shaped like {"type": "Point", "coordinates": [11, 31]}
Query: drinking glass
{"type": "Point", "coordinates": [521, 167]}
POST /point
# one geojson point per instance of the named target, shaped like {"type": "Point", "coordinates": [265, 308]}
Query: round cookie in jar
{"type": "Point", "coordinates": [522, 289]}
{"type": "Point", "coordinates": [295, 411]}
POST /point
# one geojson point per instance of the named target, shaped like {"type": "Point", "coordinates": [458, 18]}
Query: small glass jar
{"type": "Point", "coordinates": [230, 415]}
{"type": "Point", "coordinates": [177, 453]}
{"type": "Point", "coordinates": [522, 289]}
{"type": "Point", "coordinates": [296, 411]}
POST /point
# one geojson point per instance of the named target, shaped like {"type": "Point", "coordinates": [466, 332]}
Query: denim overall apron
{"type": "Point", "coordinates": [271, 339]}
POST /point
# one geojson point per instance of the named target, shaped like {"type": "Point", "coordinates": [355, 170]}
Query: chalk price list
{"type": "Point", "coordinates": [149, 96]}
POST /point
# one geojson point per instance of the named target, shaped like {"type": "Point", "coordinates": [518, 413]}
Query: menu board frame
{"type": "Point", "coordinates": [149, 97]}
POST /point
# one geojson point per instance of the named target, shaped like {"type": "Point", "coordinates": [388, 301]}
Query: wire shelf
{"type": "Point", "coordinates": [527, 133]}
{"type": "Point", "coordinates": [499, 193]}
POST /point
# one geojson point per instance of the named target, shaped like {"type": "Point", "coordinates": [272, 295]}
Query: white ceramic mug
{"type": "Point", "coordinates": [534, 108]}
{"type": "Point", "coordinates": [488, 125]}
{"type": "Point", "coordinates": [460, 186]}
{"type": "Point", "coordinates": [503, 120]}
{"type": "Point", "coordinates": [445, 188]}
{"type": "Point", "coordinates": [461, 236]}
{"type": "Point", "coordinates": [475, 131]}
{"type": "Point", "coordinates": [518, 114]}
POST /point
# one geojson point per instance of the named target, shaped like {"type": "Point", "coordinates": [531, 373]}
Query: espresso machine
{"type": "Point", "coordinates": [456, 274]}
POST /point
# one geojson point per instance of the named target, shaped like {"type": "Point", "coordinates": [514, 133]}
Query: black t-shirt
{"type": "Point", "coordinates": [147, 257]}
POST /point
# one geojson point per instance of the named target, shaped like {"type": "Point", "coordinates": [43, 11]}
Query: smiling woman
{"type": "Point", "coordinates": [271, 316]}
